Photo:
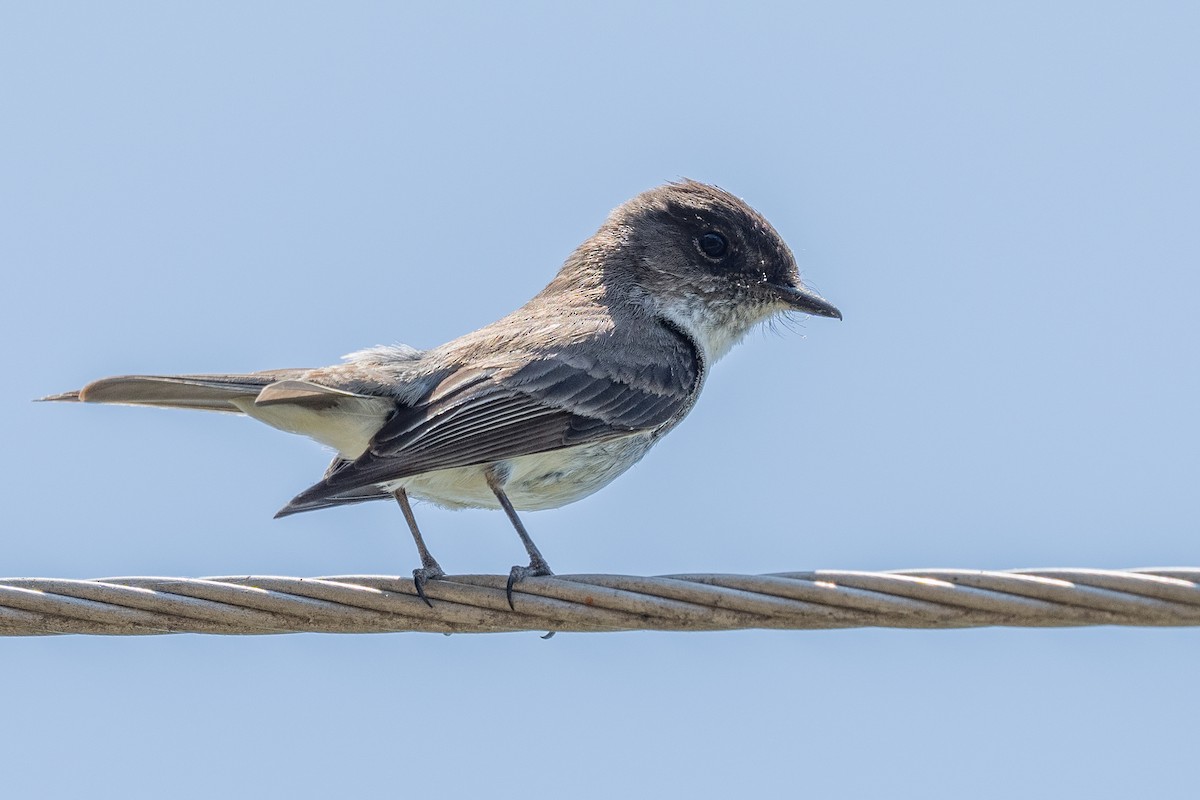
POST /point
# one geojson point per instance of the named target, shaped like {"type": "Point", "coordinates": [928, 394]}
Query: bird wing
{"type": "Point", "coordinates": [482, 415]}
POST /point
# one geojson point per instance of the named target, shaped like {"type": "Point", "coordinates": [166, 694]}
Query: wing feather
{"type": "Point", "coordinates": [479, 416]}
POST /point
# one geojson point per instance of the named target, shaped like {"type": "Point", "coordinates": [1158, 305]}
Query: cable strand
{"type": "Point", "coordinates": [921, 598]}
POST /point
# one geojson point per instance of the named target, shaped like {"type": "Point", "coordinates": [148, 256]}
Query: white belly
{"type": "Point", "coordinates": [542, 480]}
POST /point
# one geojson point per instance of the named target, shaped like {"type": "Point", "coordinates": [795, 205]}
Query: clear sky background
{"type": "Point", "coordinates": [1002, 198]}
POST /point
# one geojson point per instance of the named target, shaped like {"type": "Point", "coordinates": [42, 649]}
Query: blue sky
{"type": "Point", "coordinates": [1002, 199]}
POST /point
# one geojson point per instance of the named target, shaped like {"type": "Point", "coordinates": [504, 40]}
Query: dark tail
{"type": "Point", "coordinates": [206, 392]}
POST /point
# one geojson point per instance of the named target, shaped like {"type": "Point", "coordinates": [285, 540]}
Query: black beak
{"type": "Point", "coordinates": [808, 301]}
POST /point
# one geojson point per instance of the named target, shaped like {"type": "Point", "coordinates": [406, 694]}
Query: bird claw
{"type": "Point", "coordinates": [536, 569]}
{"type": "Point", "coordinates": [424, 575]}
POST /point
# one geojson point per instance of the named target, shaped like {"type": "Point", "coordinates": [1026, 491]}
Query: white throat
{"type": "Point", "coordinates": [714, 331]}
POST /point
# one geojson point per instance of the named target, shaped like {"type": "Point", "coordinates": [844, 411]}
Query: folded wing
{"type": "Point", "coordinates": [479, 416]}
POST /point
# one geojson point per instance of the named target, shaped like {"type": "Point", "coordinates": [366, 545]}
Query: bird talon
{"type": "Point", "coordinates": [424, 575]}
{"type": "Point", "coordinates": [536, 569]}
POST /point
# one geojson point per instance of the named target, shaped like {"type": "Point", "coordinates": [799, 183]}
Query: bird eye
{"type": "Point", "coordinates": [713, 245]}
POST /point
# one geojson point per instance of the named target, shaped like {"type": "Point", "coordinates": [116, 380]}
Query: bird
{"type": "Point", "coordinates": [544, 406]}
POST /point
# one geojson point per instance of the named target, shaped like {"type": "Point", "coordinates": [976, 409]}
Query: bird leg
{"type": "Point", "coordinates": [430, 569]}
{"type": "Point", "coordinates": [537, 564]}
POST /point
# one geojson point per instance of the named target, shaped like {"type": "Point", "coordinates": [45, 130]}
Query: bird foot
{"type": "Point", "coordinates": [537, 568]}
{"type": "Point", "coordinates": [424, 575]}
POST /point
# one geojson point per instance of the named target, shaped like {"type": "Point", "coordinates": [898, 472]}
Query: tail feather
{"type": "Point", "coordinates": [206, 392]}
{"type": "Point", "coordinates": [65, 397]}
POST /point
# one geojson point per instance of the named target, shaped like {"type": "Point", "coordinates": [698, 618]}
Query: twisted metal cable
{"type": "Point", "coordinates": [931, 598]}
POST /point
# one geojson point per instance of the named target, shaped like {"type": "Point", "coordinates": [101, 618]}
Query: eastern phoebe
{"type": "Point", "coordinates": [546, 405]}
